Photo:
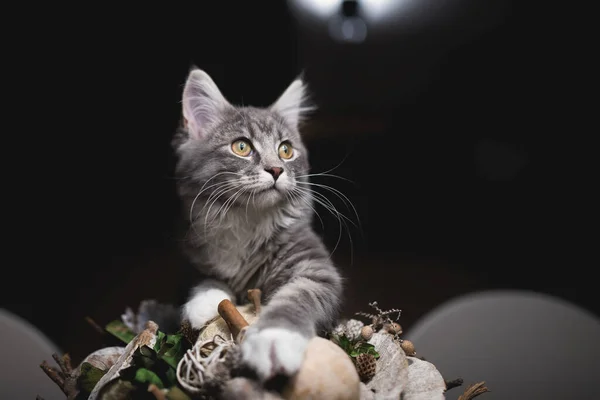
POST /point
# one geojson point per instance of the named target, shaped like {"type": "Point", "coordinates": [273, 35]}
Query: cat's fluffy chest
{"type": "Point", "coordinates": [235, 245]}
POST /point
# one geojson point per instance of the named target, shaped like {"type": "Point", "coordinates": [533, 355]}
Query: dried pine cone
{"type": "Point", "coordinates": [353, 328]}
{"type": "Point", "coordinates": [188, 332]}
{"type": "Point", "coordinates": [366, 366]}
{"type": "Point", "coordinates": [366, 332]}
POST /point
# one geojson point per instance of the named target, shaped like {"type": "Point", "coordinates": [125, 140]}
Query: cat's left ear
{"type": "Point", "coordinates": [203, 103]}
{"type": "Point", "coordinates": [293, 105]}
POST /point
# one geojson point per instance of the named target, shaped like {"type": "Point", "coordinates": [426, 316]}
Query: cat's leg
{"type": "Point", "coordinates": [204, 299]}
{"type": "Point", "coordinates": [309, 300]}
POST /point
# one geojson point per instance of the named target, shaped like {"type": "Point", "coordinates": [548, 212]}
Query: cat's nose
{"type": "Point", "coordinates": [275, 171]}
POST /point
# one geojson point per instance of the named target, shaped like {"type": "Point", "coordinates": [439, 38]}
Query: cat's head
{"type": "Point", "coordinates": [248, 155]}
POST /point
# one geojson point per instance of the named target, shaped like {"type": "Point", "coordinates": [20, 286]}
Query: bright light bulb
{"type": "Point", "coordinates": [320, 8]}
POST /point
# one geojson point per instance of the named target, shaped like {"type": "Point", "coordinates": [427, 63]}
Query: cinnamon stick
{"type": "Point", "coordinates": [254, 295]}
{"type": "Point", "coordinates": [235, 321]}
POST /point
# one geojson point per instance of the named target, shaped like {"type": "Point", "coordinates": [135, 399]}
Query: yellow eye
{"type": "Point", "coordinates": [241, 147]}
{"type": "Point", "coordinates": [286, 151]}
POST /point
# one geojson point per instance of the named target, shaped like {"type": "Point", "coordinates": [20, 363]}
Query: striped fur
{"type": "Point", "coordinates": [248, 230]}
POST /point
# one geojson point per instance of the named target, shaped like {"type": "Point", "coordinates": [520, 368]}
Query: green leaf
{"type": "Point", "coordinates": [374, 353]}
{"type": "Point", "coordinates": [160, 336]}
{"type": "Point", "coordinates": [144, 375]}
{"type": "Point", "coordinates": [365, 346]}
{"type": "Point", "coordinates": [117, 389]}
{"type": "Point", "coordinates": [344, 343]}
{"type": "Point", "coordinates": [120, 330]}
{"type": "Point", "coordinates": [89, 377]}
{"type": "Point", "coordinates": [354, 353]}
{"type": "Point", "coordinates": [172, 349]}
{"type": "Point", "coordinates": [144, 357]}
{"type": "Point", "coordinates": [171, 376]}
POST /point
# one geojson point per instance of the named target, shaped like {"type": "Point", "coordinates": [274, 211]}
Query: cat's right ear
{"type": "Point", "coordinates": [202, 103]}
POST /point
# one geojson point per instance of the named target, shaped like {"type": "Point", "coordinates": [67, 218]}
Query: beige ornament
{"type": "Point", "coordinates": [366, 332]}
{"type": "Point", "coordinates": [394, 328]}
{"type": "Point", "coordinates": [408, 347]}
{"type": "Point", "coordinates": [326, 373]}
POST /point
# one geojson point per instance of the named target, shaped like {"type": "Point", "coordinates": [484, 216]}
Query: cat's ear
{"type": "Point", "coordinates": [202, 103]}
{"type": "Point", "coordinates": [293, 105]}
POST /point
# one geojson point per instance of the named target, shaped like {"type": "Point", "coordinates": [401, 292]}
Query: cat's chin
{"type": "Point", "coordinates": [269, 198]}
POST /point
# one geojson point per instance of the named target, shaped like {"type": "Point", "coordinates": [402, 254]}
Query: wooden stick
{"type": "Point", "coordinates": [95, 325]}
{"type": "Point", "coordinates": [235, 321]}
{"type": "Point", "coordinates": [254, 295]}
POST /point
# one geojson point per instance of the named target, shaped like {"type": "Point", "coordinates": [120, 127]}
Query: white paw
{"type": "Point", "coordinates": [203, 303]}
{"type": "Point", "coordinates": [274, 351]}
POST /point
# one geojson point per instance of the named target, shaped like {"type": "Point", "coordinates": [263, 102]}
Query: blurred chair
{"type": "Point", "coordinates": [524, 345]}
{"type": "Point", "coordinates": [24, 347]}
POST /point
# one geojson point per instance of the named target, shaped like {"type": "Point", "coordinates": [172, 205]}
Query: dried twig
{"type": "Point", "coordinates": [63, 377]}
{"type": "Point", "coordinates": [95, 325]}
{"type": "Point", "coordinates": [157, 392]}
{"type": "Point", "coordinates": [453, 383]}
{"type": "Point", "coordinates": [473, 391]}
{"type": "Point", "coordinates": [64, 363]}
{"type": "Point", "coordinates": [254, 295]}
{"type": "Point", "coordinates": [382, 317]}
{"type": "Point", "coordinates": [53, 374]}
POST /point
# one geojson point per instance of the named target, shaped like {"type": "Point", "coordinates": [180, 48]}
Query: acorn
{"type": "Point", "coordinates": [366, 332]}
{"type": "Point", "coordinates": [408, 347]}
{"type": "Point", "coordinates": [366, 366]}
{"type": "Point", "coordinates": [394, 328]}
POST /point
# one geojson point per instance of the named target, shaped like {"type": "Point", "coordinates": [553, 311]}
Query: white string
{"type": "Point", "coordinates": [192, 367]}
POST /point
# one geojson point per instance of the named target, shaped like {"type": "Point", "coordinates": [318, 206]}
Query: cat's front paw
{"type": "Point", "coordinates": [203, 302]}
{"type": "Point", "coordinates": [274, 351]}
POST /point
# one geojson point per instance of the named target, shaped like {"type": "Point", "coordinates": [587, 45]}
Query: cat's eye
{"type": "Point", "coordinates": [241, 147]}
{"type": "Point", "coordinates": [286, 151]}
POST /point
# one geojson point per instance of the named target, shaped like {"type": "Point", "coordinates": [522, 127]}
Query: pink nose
{"type": "Point", "coordinates": [275, 171]}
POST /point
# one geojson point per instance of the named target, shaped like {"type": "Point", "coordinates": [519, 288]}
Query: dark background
{"type": "Point", "coordinates": [441, 123]}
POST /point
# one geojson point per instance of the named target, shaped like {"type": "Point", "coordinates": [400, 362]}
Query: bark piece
{"type": "Point", "coordinates": [424, 381]}
{"type": "Point", "coordinates": [391, 374]}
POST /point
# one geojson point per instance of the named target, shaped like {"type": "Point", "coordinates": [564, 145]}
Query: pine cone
{"type": "Point", "coordinates": [366, 366]}
{"type": "Point", "coordinates": [353, 328]}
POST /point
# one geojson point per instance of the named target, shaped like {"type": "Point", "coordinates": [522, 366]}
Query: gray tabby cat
{"type": "Point", "coordinates": [243, 177]}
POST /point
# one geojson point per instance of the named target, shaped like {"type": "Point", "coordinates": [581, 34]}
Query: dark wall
{"type": "Point", "coordinates": [441, 138]}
